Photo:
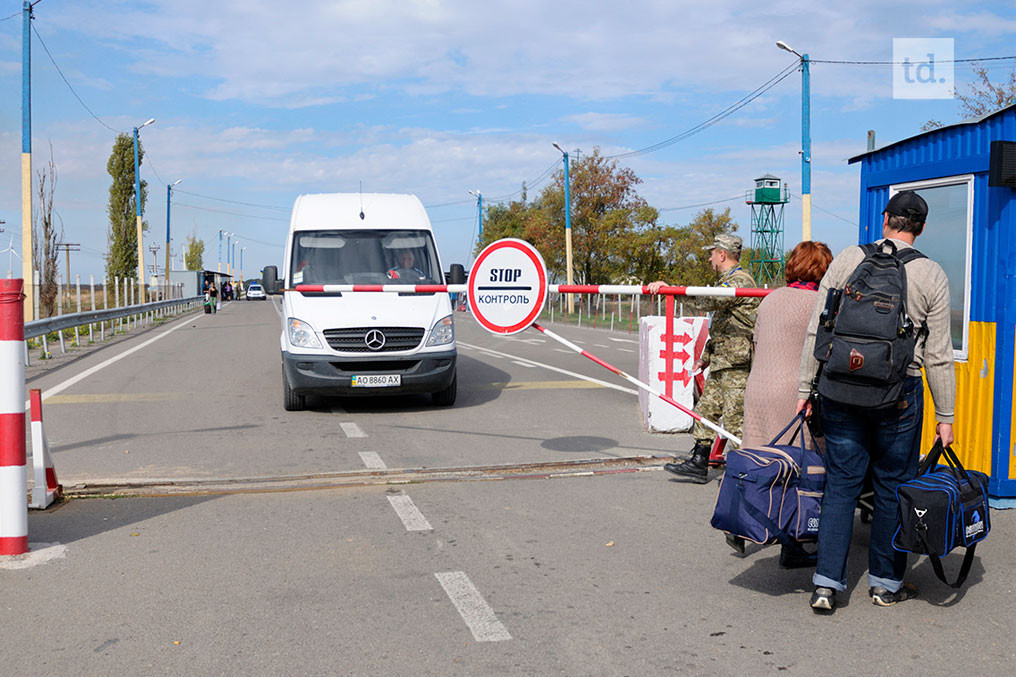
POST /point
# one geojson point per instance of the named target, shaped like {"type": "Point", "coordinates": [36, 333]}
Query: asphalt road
{"type": "Point", "coordinates": [609, 574]}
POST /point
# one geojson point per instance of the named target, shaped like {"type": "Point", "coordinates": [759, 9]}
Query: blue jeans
{"type": "Point", "coordinates": [888, 441]}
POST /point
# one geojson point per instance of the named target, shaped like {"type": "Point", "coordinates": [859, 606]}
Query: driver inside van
{"type": "Point", "coordinates": [406, 269]}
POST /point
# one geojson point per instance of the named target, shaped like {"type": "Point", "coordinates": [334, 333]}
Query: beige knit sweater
{"type": "Point", "coordinates": [927, 301]}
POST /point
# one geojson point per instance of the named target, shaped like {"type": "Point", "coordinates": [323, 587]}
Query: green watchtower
{"type": "Point", "coordinates": [767, 201]}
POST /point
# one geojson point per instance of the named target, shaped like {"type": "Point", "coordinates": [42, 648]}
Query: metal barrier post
{"type": "Point", "coordinates": [13, 480]}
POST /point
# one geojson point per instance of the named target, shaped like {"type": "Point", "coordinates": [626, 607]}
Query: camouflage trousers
{"type": "Point", "coordinates": [722, 402]}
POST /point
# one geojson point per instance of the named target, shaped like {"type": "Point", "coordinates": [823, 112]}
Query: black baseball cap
{"type": "Point", "coordinates": [908, 204]}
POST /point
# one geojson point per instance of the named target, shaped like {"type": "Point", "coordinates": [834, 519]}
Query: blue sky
{"type": "Point", "coordinates": [256, 102]}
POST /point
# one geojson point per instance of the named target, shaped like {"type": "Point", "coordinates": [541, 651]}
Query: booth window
{"type": "Point", "coordinates": [947, 240]}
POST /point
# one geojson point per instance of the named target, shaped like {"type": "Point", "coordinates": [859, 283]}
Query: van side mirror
{"type": "Point", "coordinates": [270, 279]}
{"type": "Point", "coordinates": [456, 274]}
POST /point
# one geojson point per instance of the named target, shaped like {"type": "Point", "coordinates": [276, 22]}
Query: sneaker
{"type": "Point", "coordinates": [823, 599]}
{"type": "Point", "coordinates": [882, 597]}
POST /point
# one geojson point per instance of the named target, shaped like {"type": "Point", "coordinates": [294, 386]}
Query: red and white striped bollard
{"type": "Point", "coordinates": [13, 488]}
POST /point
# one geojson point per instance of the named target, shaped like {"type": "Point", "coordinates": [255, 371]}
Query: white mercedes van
{"type": "Point", "coordinates": [363, 343]}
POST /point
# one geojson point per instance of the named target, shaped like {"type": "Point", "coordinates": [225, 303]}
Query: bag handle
{"type": "Point", "coordinates": [936, 563]}
{"type": "Point", "coordinates": [936, 453]}
{"type": "Point", "coordinates": [798, 421]}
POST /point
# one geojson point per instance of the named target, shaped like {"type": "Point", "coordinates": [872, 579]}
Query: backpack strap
{"type": "Point", "coordinates": [909, 254]}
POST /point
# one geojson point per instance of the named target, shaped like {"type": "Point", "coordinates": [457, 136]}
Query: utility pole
{"type": "Point", "coordinates": [137, 209]}
{"type": "Point", "coordinates": [67, 248]}
{"type": "Point", "coordinates": [567, 227]}
{"type": "Point", "coordinates": [805, 139]}
{"type": "Point", "coordinates": [154, 248]}
{"type": "Point", "coordinates": [26, 160]}
{"type": "Point", "coordinates": [169, 198]}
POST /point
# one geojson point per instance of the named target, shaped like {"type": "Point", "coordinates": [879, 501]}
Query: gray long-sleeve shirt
{"type": "Point", "coordinates": [927, 301]}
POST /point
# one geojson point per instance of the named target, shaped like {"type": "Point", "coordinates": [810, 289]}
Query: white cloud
{"type": "Point", "coordinates": [605, 122]}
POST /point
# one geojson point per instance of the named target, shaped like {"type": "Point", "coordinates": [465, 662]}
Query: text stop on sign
{"type": "Point", "coordinates": [507, 286]}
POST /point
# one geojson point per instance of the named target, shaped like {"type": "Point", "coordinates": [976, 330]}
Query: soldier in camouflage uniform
{"type": "Point", "coordinates": [727, 354]}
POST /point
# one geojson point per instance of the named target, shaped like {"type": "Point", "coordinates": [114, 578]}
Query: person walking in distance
{"type": "Point", "coordinates": [872, 408]}
{"type": "Point", "coordinates": [727, 354]}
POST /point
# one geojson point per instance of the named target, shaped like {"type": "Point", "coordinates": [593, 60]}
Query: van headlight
{"type": "Point", "coordinates": [302, 335]}
{"type": "Point", "coordinates": [443, 332]}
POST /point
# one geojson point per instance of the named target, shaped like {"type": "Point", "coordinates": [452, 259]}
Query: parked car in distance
{"type": "Point", "coordinates": [256, 291]}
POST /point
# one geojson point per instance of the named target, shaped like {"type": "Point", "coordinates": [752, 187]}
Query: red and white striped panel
{"type": "Point", "coordinates": [13, 490]}
{"type": "Point", "coordinates": [622, 289]}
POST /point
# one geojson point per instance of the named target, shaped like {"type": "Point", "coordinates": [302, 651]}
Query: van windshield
{"type": "Point", "coordinates": [364, 257]}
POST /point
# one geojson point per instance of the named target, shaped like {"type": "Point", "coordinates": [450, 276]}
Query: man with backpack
{"type": "Point", "coordinates": [882, 314]}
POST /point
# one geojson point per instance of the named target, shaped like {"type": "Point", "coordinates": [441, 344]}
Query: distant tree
{"type": "Point", "coordinates": [122, 255]}
{"type": "Point", "coordinates": [984, 96]}
{"type": "Point", "coordinates": [687, 257]}
{"type": "Point", "coordinates": [45, 237]}
{"type": "Point", "coordinates": [195, 252]}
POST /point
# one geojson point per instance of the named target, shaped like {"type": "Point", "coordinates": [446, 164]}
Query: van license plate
{"type": "Point", "coordinates": [377, 381]}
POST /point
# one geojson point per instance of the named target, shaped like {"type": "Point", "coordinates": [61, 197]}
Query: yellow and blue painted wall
{"type": "Point", "coordinates": [985, 430]}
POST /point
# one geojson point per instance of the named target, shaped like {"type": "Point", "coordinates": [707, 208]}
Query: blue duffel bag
{"type": "Point", "coordinates": [773, 493]}
{"type": "Point", "coordinates": [944, 507]}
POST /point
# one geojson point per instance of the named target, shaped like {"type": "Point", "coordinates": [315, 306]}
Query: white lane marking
{"type": "Point", "coordinates": [562, 350]}
{"type": "Point", "coordinates": [625, 350]}
{"type": "Point", "coordinates": [38, 553]}
{"type": "Point", "coordinates": [600, 345]}
{"type": "Point", "coordinates": [524, 364]}
{"type": "Point", "coordinates": [471, 606]}
{"type": "Point", "coordinates": [277, 307]}
{"type": "Point", "coordinates": [410, 515]}
{"type": "Point", "coordinates": [617, 340]}
{"type": "Point", "coordinates": [352, 430]}
{"type": "Point", "coordinates": [59, 388]}
{"type": "Point", "coordinates": [372, 460]}
{"type": "Point", "coordinates": [557, 369]}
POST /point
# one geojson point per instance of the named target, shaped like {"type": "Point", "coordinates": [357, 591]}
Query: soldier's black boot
{"type": "Point", "coordinates": [695, 468]}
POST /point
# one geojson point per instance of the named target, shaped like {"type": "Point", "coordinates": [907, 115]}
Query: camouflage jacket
{"type": "Point", "coordinates": [733, 323]}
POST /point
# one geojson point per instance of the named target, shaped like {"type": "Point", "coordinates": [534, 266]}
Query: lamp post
{"type": "Point", "coordinates": [220, 250]}
{"type": "Point", "coordinates": [229, 236]}
{"type": "Point", "coordinates": [232, 258]}
{"type": "Point", "coordinates": [479, 212]}
{"type": "Point", "coordinates": [567, 227]}
{"type": "Point", "coordinates": [805, 140]}
{"type": "Point", "coordinates": [242, 250]}
{"type": "Point", "coordinates": [169, 197]}
{"type": "Point", "coordinates": [31, 293]}
{"type": "Point", "coordinates": [137, 209]}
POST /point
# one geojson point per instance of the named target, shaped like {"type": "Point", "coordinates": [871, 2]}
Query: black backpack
{"type": "Point", "coordinates": [866, 339]}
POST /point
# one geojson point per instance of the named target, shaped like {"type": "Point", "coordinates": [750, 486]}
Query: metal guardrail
{"type": "Point", "coordinates": [71, 320]}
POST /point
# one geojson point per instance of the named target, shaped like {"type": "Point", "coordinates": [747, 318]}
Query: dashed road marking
{"type": "Point", "coordinates": [536, 385]}
{"type": "Point", "coordinates": [620, 340]}
{"type": "Point", "coordinates": [372, 460]}
{"type": "Point", "coordinates": [524, 364]}
{"type": "Point", "coordinates": [625, 350]}
{"type": "Point", "coordinates": [410, 515]}
{"type": "Point", "coordinates": [477, 614]}
{"type": "Point", "coordinates": [352, 430]}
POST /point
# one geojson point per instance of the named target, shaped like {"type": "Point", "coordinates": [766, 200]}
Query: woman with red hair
{"type": "Point", "coordinates": [770, 396]}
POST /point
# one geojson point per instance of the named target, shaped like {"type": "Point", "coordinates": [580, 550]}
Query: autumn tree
{"type": "Point", "coordinates": [194, 254]}
{"type": "Point", "coordinates": [122, 254]}
{"type": "Point", "coordinates": [984, 96]}
{"type": "Point", "coordinates": [45, 236]}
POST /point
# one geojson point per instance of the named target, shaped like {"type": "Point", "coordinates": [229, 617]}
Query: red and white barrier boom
{"type": "Point", "coordinates": [623, 289]}
{"type": "Point", "coordinates": [46, 488]}
{"type": "Point", "coordinates": [13, 491]}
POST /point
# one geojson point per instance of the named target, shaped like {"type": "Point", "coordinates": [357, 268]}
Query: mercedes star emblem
{"type": "Point", "coordinates": [374, 339]}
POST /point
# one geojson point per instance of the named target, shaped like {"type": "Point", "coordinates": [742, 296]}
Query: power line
{"type": "Point", "coordinates": [448, 204]}
{"type": "Point", "coordinates": [85, 106]}
{"type": "Point", "coordinates": [701, 204]}
{"type": "Point", "coordinates": [845, 220]}
{"type": "Point", "coordinates": [903, 63]}
{"type": "Point", "coordinates": [733, 108]}
{"type": "Point", "coordinates": [235, 213]}
{"type": "Point", "coordinates": [235, 202]}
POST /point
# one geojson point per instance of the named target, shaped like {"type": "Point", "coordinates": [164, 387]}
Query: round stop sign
{"type": "Point", "coordinates": [507, 286]}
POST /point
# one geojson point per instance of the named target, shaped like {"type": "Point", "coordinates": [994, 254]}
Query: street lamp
{"type": "Point", "coordinates": [479, 212]}
{"type": "Point", "coordinates": [242, 250]}
{"type": "Point", "coordinates": [805, 140]}
{"type": "Point", "coordinates": [220, 249]}
{"type": "Point", "coordinates": [137, 209]}
{"type": "Point", "coordinates": [567, 226]}
{"type": "Point", "coordinates": [169, 197]}
{"type": "Point", "coordinates": [229, 236]}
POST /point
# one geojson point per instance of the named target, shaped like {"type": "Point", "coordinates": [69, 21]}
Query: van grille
{"type": "Point", "coordinates": [353, 339]}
